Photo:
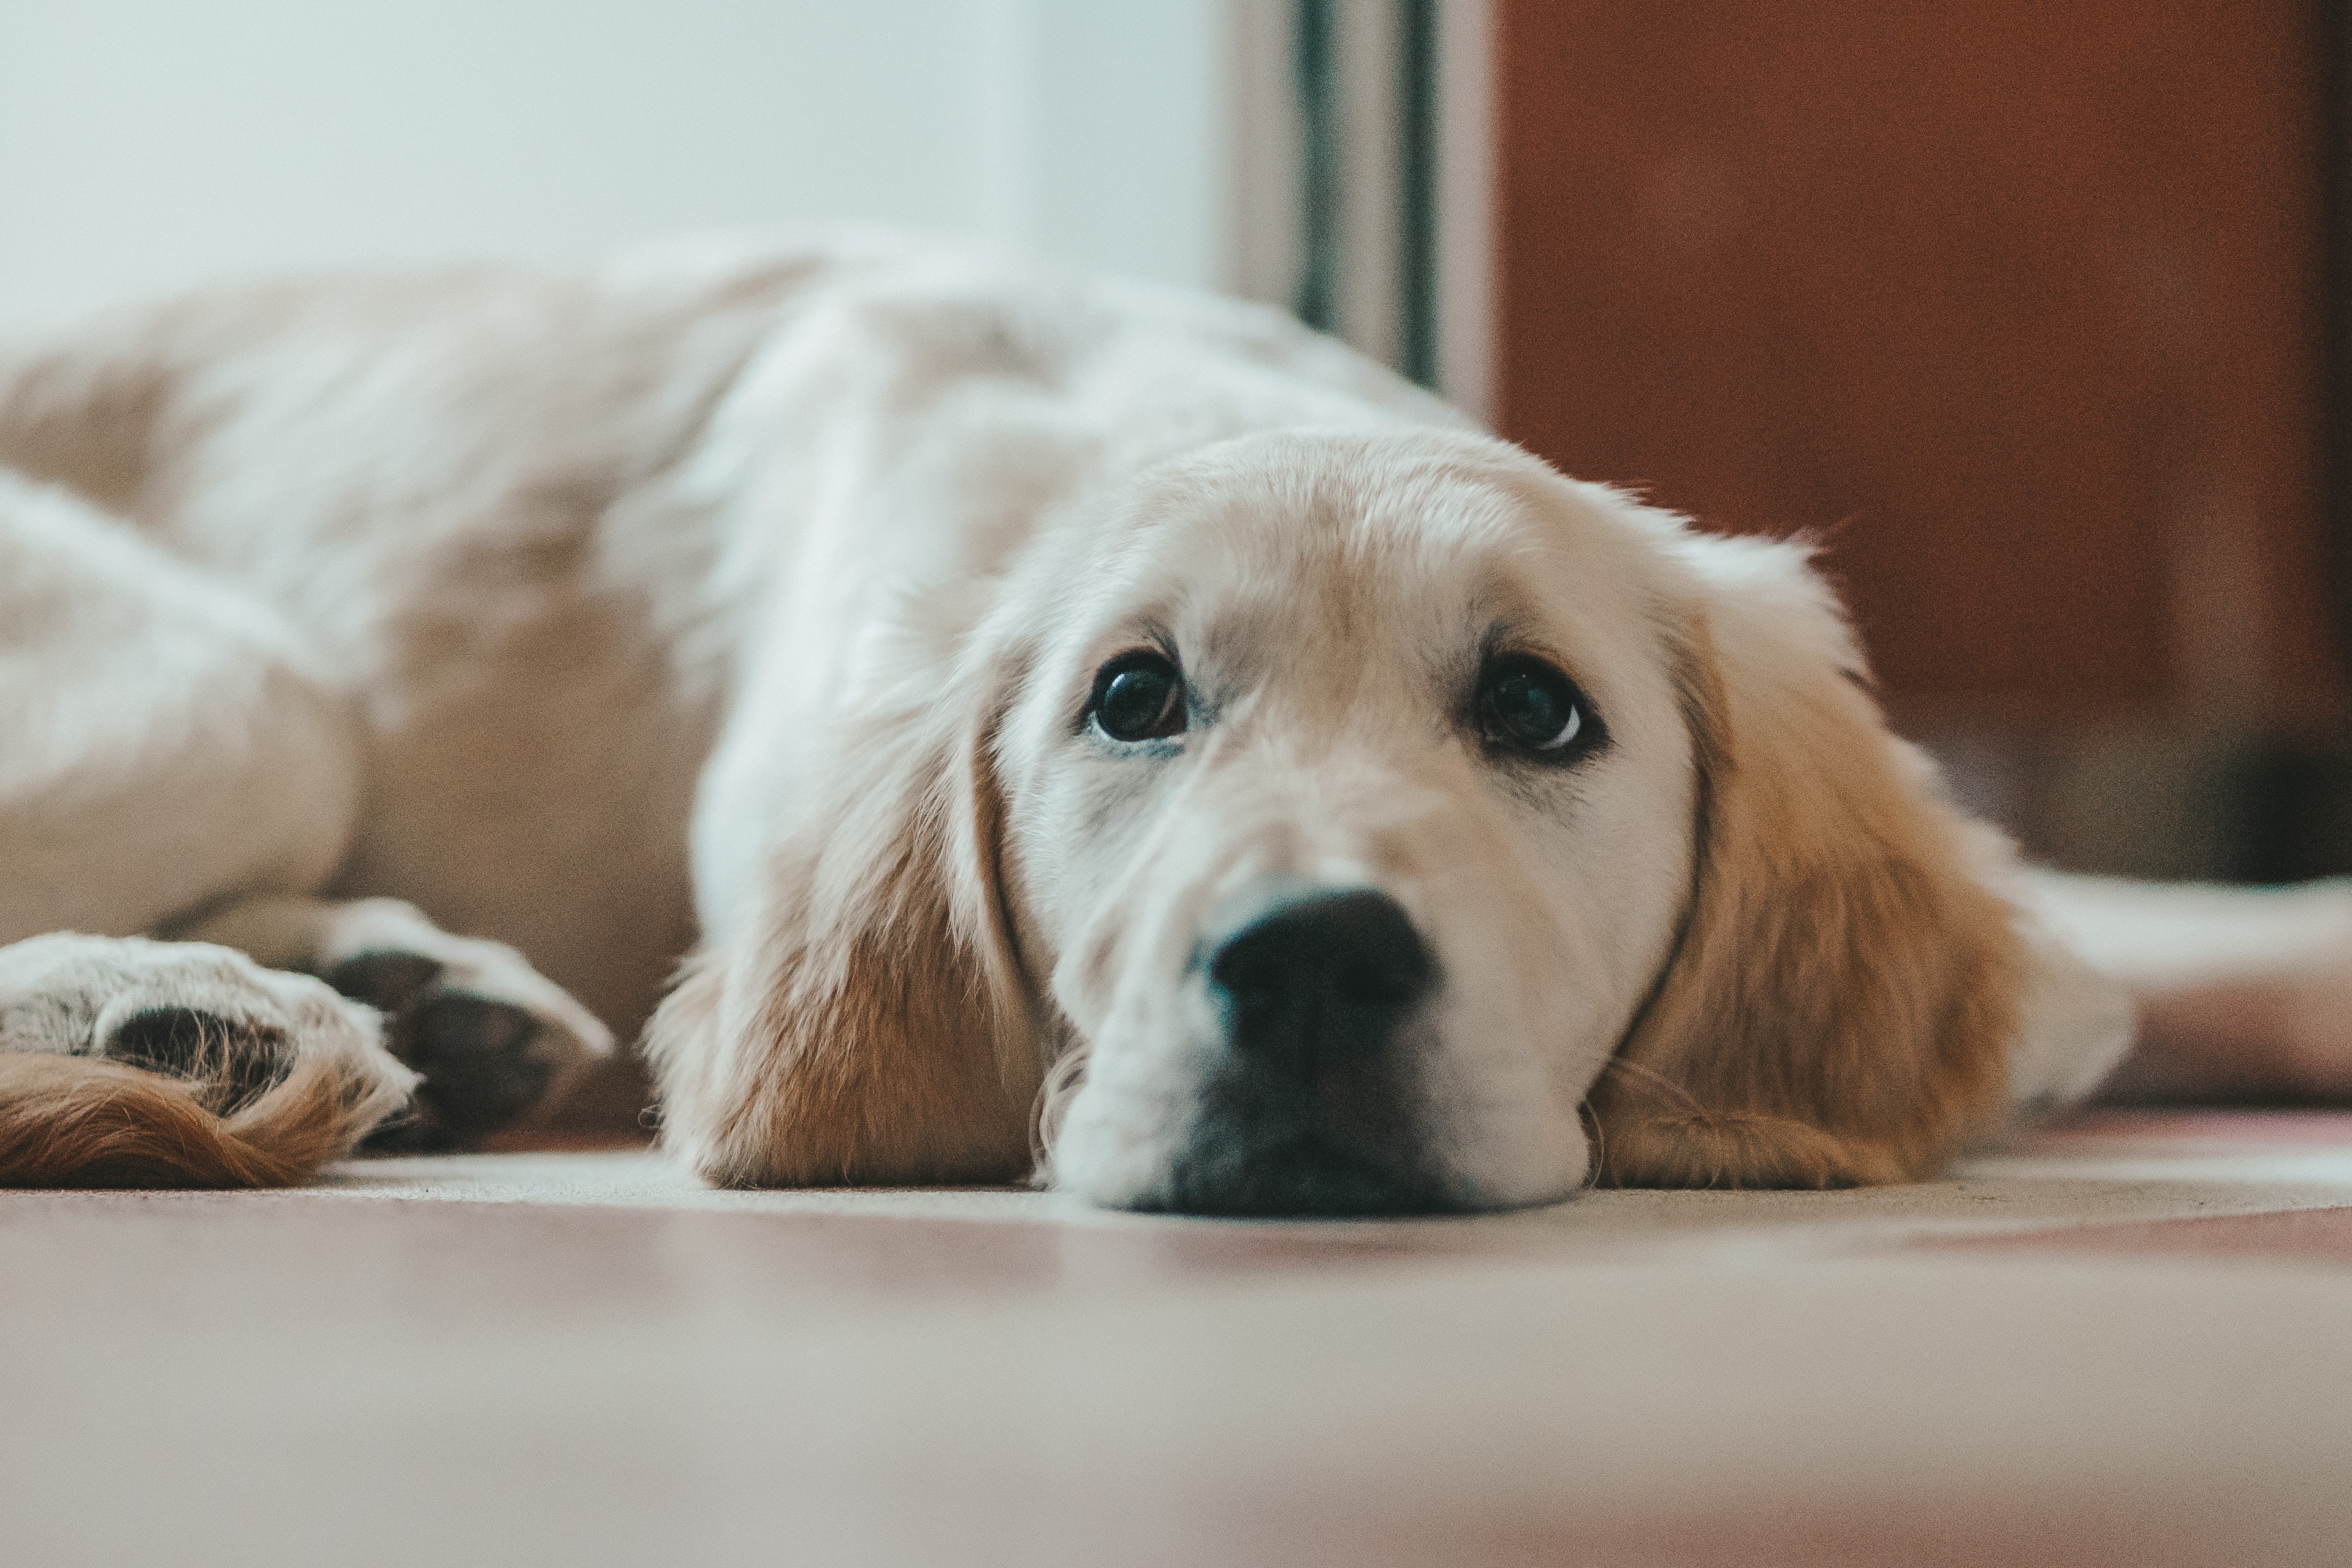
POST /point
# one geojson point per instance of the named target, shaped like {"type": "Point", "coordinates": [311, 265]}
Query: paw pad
{"type": "Point", "coordinates": [240, 1060]}
{"type": "Point", "coordinates": [476, 1052]}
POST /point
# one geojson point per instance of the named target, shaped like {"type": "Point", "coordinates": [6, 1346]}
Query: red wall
{"type": "Point", "coordinates": [2014, 303]}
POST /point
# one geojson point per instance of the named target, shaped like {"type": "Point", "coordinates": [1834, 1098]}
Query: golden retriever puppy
{"type": "Point", "coordinates": [1075, 729]}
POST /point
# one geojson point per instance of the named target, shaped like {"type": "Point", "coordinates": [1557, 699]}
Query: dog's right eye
{"type": "Point", "coordinates": [1138, 697]}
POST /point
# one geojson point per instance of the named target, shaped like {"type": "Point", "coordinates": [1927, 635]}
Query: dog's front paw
{"type": "Point", "coordinates": [205, 1014]}
{"type": "Point", "coordinates": [494, 1040]}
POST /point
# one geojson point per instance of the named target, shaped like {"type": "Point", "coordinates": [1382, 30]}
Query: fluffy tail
{"type": "Point", "coordinates": [83, 1122]}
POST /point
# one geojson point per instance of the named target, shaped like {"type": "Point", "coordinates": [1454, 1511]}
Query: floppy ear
{"type": "Point", "coordinates": [1840, 1003]}
{"type": "Point", "coordinates": [866, 1024]}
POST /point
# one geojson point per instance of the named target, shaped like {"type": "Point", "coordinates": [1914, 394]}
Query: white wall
{"type": "Point", "coordinates": [147, 143]}
{"type": "Point", "coordinates": [1465, 207]}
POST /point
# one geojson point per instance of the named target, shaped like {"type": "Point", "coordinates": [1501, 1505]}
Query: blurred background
{"type": "Point", "coordinates": [2037, 317]}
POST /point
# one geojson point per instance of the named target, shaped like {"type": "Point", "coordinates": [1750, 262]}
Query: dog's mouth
{"type": "Point", "coordinates": [1257, 1152]}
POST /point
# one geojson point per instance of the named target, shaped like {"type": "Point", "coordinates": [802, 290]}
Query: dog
{"type": "Point", "coordinates": [1068, 730]}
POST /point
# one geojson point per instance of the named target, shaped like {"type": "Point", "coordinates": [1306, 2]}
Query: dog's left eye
{"type": "Point", "coordinates": [1138, 697]}
{"type": "Point", "coordinates": [1527, 705]}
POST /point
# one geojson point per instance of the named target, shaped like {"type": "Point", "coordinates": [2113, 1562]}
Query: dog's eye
{"type": "Point", "coordinates": [1138, 697]}
{"type": "Point", "coordinates": [1527, 705]}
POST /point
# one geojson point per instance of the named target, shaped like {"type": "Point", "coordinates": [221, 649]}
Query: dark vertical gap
{"type": "Point", "coordinates": [2293, 813]}
{"type": "Point", "coordinates": [2332, 39]}
{"type": "Point", "coordinates": [1318, 164]}
{"type": "Point", "coordinates": [1417, 190]}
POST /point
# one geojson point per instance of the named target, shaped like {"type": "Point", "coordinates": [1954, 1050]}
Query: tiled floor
{"type": "Point", "coordinates": [2126, 1342]}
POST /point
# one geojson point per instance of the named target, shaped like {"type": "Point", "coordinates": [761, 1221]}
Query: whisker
{"type": "Point", "coordinates": [1600, 1160]}
{"type": "Point", "coordinates": [1690, 1101]}
{"type": "Point", "coordinates": [1063, 1080]}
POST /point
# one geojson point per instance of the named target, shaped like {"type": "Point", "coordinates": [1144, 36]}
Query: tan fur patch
{"type": "Point", "coordinates": [82, 1121]}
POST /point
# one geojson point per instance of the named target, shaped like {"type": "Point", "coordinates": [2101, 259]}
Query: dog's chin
{"type": "Point", "coordinates": [1170, 1160]}
{"type": "Point", "coordinates": [1295, 1174]}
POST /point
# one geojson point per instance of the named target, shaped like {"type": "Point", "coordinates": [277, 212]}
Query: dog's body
{"type": "Point", "coordinates": [787, 597]}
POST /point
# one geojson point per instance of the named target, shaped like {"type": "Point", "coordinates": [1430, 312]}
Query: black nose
{"type": "Point", "coordinates": [1320, 979]}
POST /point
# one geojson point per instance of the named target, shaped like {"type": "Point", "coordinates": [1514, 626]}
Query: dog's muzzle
{"type": "Point", "coordinates": [1320, 994]}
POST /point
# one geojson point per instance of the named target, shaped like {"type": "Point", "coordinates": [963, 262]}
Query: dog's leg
{"type": "Point", "coordinates": [494, 1040]}
{"type": "Point", "coordinates": [170, 763]}
{"type": "Point", "coordinates": [163, 743]}
{"type": "Point", "coordinates": [165, 740]}
{"type": "Point", "coordinates": [2244, 994]}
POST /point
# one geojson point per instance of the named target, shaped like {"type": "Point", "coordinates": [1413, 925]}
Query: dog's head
{"type": "Point", "coordinates": [1358, 823]}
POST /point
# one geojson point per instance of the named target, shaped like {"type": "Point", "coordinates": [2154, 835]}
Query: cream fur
{"type": "Point", "coordinates": [743, 598]}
